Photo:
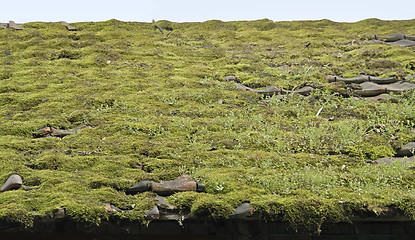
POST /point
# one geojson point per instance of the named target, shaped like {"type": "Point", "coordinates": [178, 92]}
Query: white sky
{"type": "Point", "coordinates": [22, 11]}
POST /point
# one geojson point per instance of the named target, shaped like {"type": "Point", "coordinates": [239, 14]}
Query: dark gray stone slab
{"type": "Point", "coordinates": [392, 38]}
{"type": "Point", "coordinates": [390, 160]}
{"type": "Point", "coordinates": [369, 89]}
{"type": "Point", "coordinates": [142, 186]}
{"type": "Point", "coordinates": [406, 150]}
{"type": "Point", "coordinates": [404, 43]}
{"type": "Point", "coordinates": [361, 79]}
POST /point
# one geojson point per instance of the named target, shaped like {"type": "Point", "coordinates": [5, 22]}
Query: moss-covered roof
{"type": "Point", "coordinates": [153, 106]}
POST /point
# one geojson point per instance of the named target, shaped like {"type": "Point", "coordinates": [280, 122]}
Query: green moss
{"type": "Point", "coordinates": [184, 200]}
{"type": "Point", "coordinates": [301, 212]}
{"type": "Point", "coordinates": [369, 150]}
{"type": "Point", "coordinates": [211, 206]}
{"type": "Point", "coordinates": [17, 213]}
{"type": "Point", "coordinates": [86, 212]}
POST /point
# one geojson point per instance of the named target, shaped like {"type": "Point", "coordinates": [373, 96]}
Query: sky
{"type": "Point", "coordinates": [22, 11]}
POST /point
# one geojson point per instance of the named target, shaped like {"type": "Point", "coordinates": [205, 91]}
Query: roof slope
{"type": "Point", "coordinates": [120, 103]}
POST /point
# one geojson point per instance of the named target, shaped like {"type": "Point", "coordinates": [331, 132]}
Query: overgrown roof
{"type": "Point", "coordinates": [155, 106]}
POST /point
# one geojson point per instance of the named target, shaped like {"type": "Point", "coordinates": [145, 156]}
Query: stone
{"type": "Point", "coordinates": [166, 188]}
{"type": "Point", "coordinates": [53, 132]}
{"type": "Point", "coordinates": [60, 133]}
{"type": "Point", "coordinates": [50, 132]}
{"type": "Point", "coordinates": [244, 210]}
{"type": "Point", "coordinates": [406, 150]}
{"type": "Point", "coordinates": [398, 39]}
{"type": "Point", "coordinates": [390, 160]}
{"type": "Point", "coordinates": [385, 160]}
{"type": "Point", "coordinates": [231, 78]}
{"type": "Point", "coordinates": [404, 43]}
{"type": "Point", "coordinates": [384, 97]}
{"type": "Point", "coordinates": [162, 203]}
{"type": "Point", "coordinates": [142, 186]}
{"type": "Point", "coordinates": [392, 38]}
{"type": "Point", "coordinates": [59, 213]}
{"type": "Point", "coordinates": [153, 214]}
{"type": "Point", "coordinates": [111, 208]}
{"type": "Point", "coordinates": [13, 182]}
{"type": "Point", "coordinates": [181, 184]}
{"type": "Point", "coordinates": [15, 26]}
{"type": "Point", "coordinates": [361, 79]}
{"type": "Point", "coordinates": [370, 89]}
{"type": "Point", "coordinates": [306, 90]}
{"type": "Point", "coordinates": [168, 211]}
{"type": "Point", "coordinates": [200, 187]}
{"type": "Point", "coordinates": [69, 27]}
{"type": "Point", "coordinates": [357, 79]}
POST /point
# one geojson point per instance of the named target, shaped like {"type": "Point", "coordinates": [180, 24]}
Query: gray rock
{"type": "Point", "coordinates": [59, 213]}
{"type": "Point", "coordinates": [166, 188]}
{"type": "Point", "coordinates": [69, 27]}
{"type": "Point", "coordinates": [142, 186]}
{"type": "Point", "coordinates": [406, 150]}
{"type": "Point", "coordinates": [390, 160]}
{"type": "Point", "coordinates": [14, 25]}
{"type": "Point", "coordinates": [13, 182]}
{"type": "Point", "coordinates": [231, 78]}
{"type": "Point", "coordinates": [404, 43]}
{"type": "Point", "coordinates": [397, 39]}
{"type": "Point", "coordinates": [385, 160]}
{"type": "Point", "coordinates": [392, 38]}
{"type": "Point", "coordinates": [153, 214]}
{"type": "Point", "coordinates": [384, 97]}
{"type": "Point", "coordinates": [200, 187]}
{"type": "Point", "coordinates": [162, 203]}
{"type": "Point", "coordinates": [244, 210]}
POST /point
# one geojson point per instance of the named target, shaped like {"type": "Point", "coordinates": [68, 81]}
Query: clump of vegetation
{"type": "Point", "coordinates": [156, 107]}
